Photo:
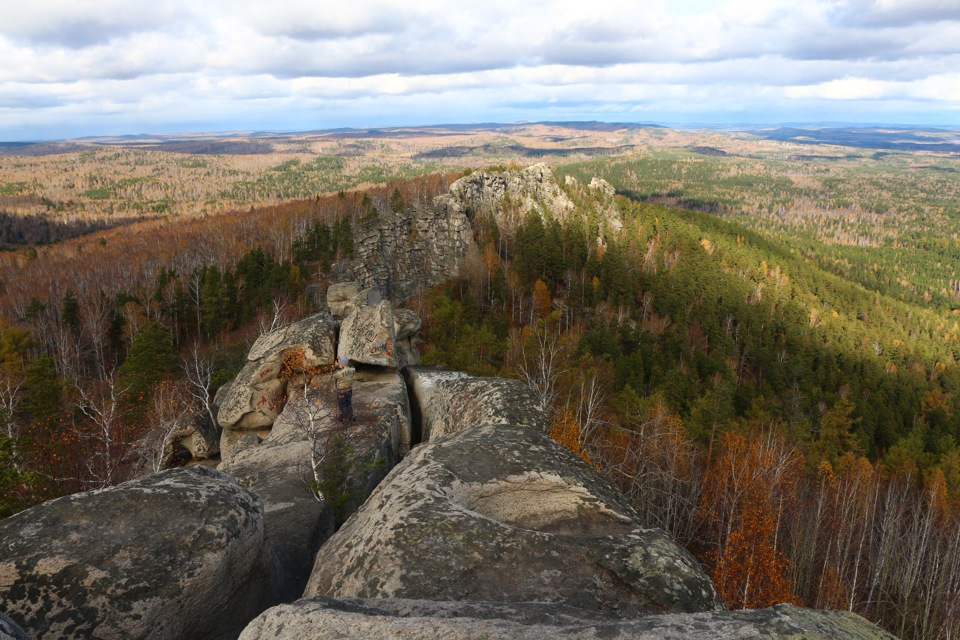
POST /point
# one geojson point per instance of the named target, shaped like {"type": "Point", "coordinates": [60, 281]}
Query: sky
{"type": "Point", "coordinates": [71, 68]}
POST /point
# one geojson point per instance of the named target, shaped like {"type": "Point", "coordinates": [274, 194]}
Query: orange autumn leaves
{"type": "Point", "coordinates": [746, 492]}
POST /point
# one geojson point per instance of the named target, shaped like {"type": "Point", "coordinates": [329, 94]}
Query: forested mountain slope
{"type": "Point", "coordinates": [795, 427]}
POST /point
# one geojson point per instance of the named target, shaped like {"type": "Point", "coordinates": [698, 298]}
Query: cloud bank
{"type": "Point", "coordinates": [110, 66]}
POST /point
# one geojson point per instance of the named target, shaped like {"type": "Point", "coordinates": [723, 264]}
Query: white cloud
{"type": "Point", "coordinates": [226, 61]}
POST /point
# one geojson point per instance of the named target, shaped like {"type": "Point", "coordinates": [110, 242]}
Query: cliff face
{"type": "Point", "coordinates": [399, 252]}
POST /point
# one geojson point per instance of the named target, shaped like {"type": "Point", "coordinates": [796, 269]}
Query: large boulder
{"type": "Point", "coordinates": [343, 298]}
{"type": "Point", "coordinates": [255, 398]}
{"type": "Point", "coordinates": [179, 554]}
{"type": "Point", "coordinates": [324, 618]}
{"type": "Point", "coordinates": [448, 401]}
{"type": "Point", "coordinates": [367, 336]}
{"type": "Point", "coordinates": [503, 513]}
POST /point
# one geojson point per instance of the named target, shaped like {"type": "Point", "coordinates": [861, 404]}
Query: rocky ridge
{"type": "Point", "coordinates": [488, 530]}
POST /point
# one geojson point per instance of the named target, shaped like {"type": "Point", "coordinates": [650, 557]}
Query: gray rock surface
{"type": "Point", "coordinates": [503, 513]}
{"type": "Point", "coordinates": [342, 298]}
{"type": "Point", "coordinates": [406, 327]}
{"type": "Point", "coordinates": [367, 336]}
{"type": "Point", "coordinates": [448, 401]}
{"type": "Point", "coordinates": [296, 522]}
{"type": "Point", "coordinates": [401, 252]}
{"type": "Point", "coordinates": [530, 190]}
{"type": "Point", "coordinates": [278, 469]}
{"type": "Point", "coordinates": [177, 554]}
{"type": "Point", "coordinates": [255, 398]}
{"type": "Point", "coordinates": [197, 435]}
{"type": "Point", "coordinates": [601, 185]}
{"type": "Point", "coordinates": [324, 618]}
{"type": "Point", "coordinates": [10, 630]}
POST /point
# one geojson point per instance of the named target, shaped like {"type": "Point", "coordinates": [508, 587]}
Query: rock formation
{"type": "Point", "coordinates": [448, 401]}
{"type": "Point", "coordinates": [278, 464]}
{"type": "Point", "coordinates": [367, 336]}
{"type": "Point", "coordinates": [530, 190]}
{"type": "Point", "coordinates": [254, 399]}
{"type": "Point", "coordinates": [179, 554]}
{"type": "Point", "coordinates": [326, 618]}
{"type": "Point", "coordinates": [503, 513]}
{"type": "Point", "coordinates": [401, 252]}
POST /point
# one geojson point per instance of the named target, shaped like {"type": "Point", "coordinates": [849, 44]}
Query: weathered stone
{"type": "Point", "coordinates": [342, 299]}
{"type": "Point", "coordinates": [177, 554]}
{"type": "Point", "coordinates": [369, 297]}
{"type": "Point", "coordinates": [399, 253]}
{"type": "Point", "coordinates": [254, 398]}
{"type": "Point", "coordinates": [533, 189]}
{"type": "Point", "coordinates": [448, 401]}
{"type": "Point", "coordinates": [604, 187]}
{"type": "Point", "coordinates": [325, 618]}
{"type": "Point", "coordinates": [383, 395]}
{"type": "Point", "coordinates": [296, 522]}
{"type": "Point", "coordinates": [367, 336]}
{"type": "Point", "coordinates": [503, 513]}
{"type": "Point", "coordinates": [233, 442]}
{"type": "Point", "coordinates": [9, 630]}
{"type": "Point", "coordinates": [406, 323]}
{"type": "Point", "coordinates": [279, 470]}
{"type": "Point", "coordinates": [408, 352]}
{"type": "Point", "coordinates": [194, 434]}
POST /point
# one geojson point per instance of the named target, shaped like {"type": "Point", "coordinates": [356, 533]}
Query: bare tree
{"type": "Point", "coordinates": [199, 377]}
{"type": "Point", "coordinates": [542, 357]}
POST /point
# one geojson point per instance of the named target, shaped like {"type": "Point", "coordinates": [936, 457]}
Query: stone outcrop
{"type": "Point", "coordinates": [533, 189]}
{"type": "Point", "coordinates": [196, 435]}
{"type": "Point", "coordinates": [179, 554]}
{"type": "Point", "coordinates": [401, 252]}
{"type": "Point", "coordinates": [324, 618]}
{"type": "Point", "coordinates": [10, 630]}
{"type": "Point", "coordinates": [343, 298]}
{"type": "Point", "coordinates": [505, 514]}
{"type": "Point", "coordinates": [448, 401]}
{"type": "Point", "coordinates": [254, 399]}
{"type": "Point", "coordinates": [367, 336]}
{"type": "Point", "coordinates": [601, 185]}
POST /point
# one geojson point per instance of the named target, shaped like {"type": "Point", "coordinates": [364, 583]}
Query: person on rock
{"type": "Point", "coordinates": [343, 379]}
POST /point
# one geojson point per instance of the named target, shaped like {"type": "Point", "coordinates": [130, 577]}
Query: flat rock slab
{"type": "Point", "coordinates": [505, 514]}
{"type": "Point", "coordinates": [324, 618]}
{"type": "Point", "coordinates": [179, 554]}
{"type": "Point", "coordinates": [448, 401]}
